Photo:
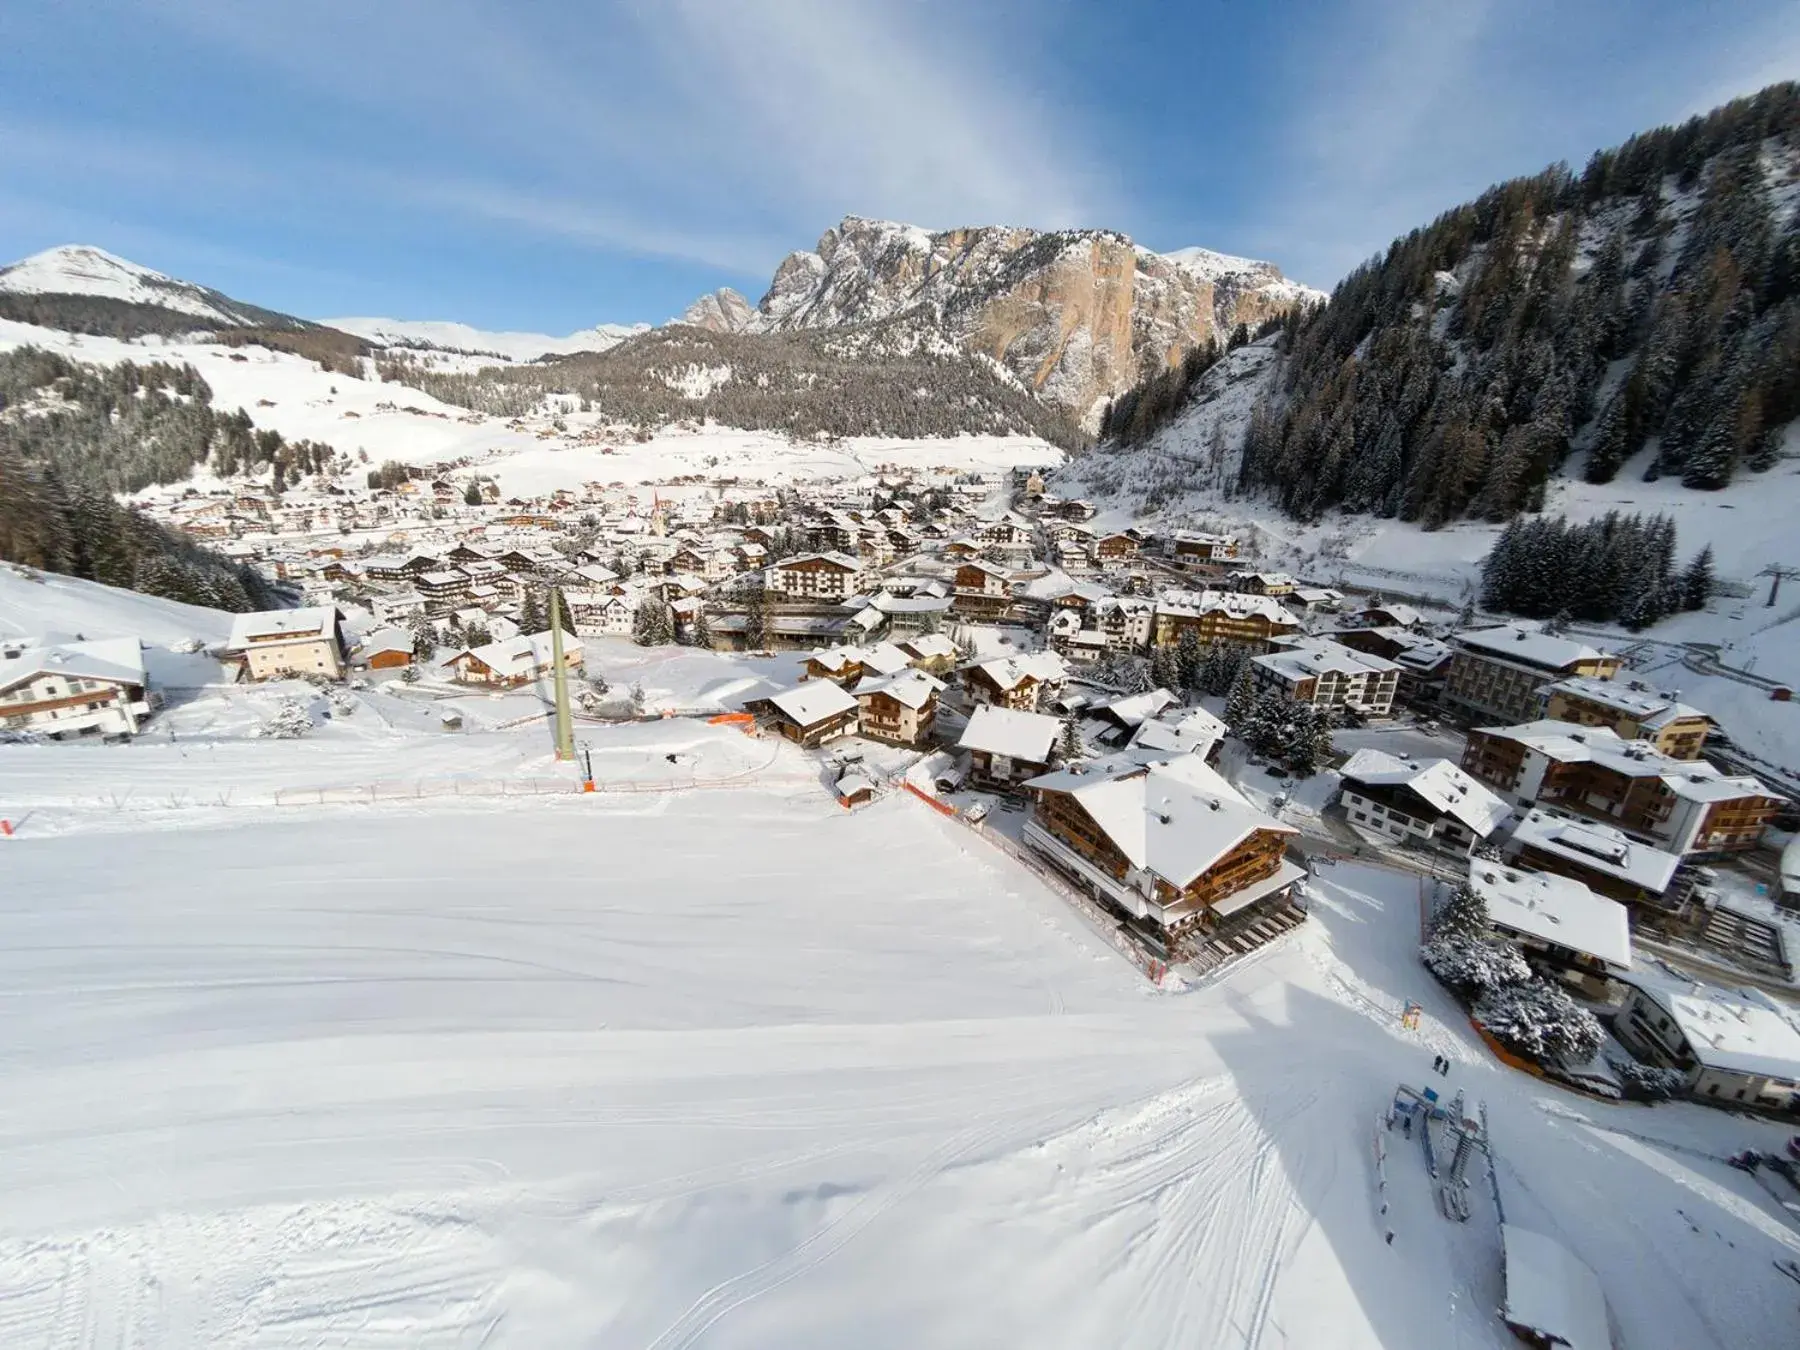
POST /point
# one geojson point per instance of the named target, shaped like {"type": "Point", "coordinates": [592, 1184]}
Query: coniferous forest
{"type": "Point", "coordinates": [1619, 567]}
{"type": "Point", "coordinates": [1652, 299]}
{"type": "Point", "coordinates": [71, 435]}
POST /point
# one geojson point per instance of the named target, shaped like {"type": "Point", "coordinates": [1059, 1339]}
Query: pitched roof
{"type": "Point", "coordinates": [1008, 672]}
{"type": "Point", "coordinates": [814, 702]}
{"type": "Point", "coordinates": [911, 688]}
{"type": "Point", "coordinates": [1011, 732]}
{"type": "Point", "coordinates": [1232, 604]}
{"type": "Point", "coordinates": [272, 627]}
{"type": "Point", "coordinates": [1438, 782]}
{"type": "Point", "coordinates": [1554, 909]}
{"type": "Point", "coordinates": [1528, 645]}
{"type": "Point", "coordinates": [115, 660]}
{"type": "Point", "coordinates": [524, 654]}
{"type": "Point", "coordinates": [1598, 847]}
{"type": "Point", "coordinates": [1173, 817]}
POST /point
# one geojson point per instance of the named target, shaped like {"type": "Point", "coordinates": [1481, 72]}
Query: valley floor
{"type": "Point", "coordinates": [738, 1068]}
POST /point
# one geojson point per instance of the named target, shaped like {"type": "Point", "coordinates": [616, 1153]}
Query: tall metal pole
{"type": "Point", "coordinates": [565, 731]}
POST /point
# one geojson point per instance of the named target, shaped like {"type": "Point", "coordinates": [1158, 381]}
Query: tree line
{"type": "Point", "coordinates": [1618, 567]}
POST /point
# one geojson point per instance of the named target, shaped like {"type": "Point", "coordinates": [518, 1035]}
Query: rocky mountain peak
{"type": "Point", "coordinates": [720, 311]}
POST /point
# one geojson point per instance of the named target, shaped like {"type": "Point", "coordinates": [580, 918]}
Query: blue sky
{"type": "Point", "coordinates": [546, 165]}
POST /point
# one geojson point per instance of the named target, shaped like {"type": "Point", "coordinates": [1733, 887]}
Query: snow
{"type": "Point", "coordinates": [1551, 1293]}
{"type": "Point", "coordinates": [1599, 847]}
{"type": "Point", "coordinates": [1515, 642]}
{"type": "Point", "coordinates": [507, 345]}
{"type": "Point", "coordinates": [1438, 781]}
{"type": "Point", "coordinates": [814, 702]}
{"type": "Point", "coordinates": [1011, 732]}
{"type": "Point", "coordinates": [81, 269]}
{"type": "Point", "coordinates": [738, 1068]}
{"type": "Point", "coordinates": [1728, 1031]}
{"type": "Point", "coordinates": [1554, 909]}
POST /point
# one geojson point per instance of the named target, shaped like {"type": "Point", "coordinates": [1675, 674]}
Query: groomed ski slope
{"type": "Point", "coordinates": [738, 1068]}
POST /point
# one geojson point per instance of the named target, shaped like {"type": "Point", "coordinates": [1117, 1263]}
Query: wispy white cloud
{"type": "Point", "coordinates": [691, 129]}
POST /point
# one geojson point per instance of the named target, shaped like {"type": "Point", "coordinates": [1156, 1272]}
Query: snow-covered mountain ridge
{"type": "Point", "coordinates": [93, 274]}
{"type": "Point", "coordinates": [462, 337]}
{"type": "Point", "coordinates": [1076, 315]}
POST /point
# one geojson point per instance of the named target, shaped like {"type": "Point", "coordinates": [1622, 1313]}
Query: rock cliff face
{"type": "Point", "coordinates": [1077, 315]}
{"type": "Point", "coordinates": [723, 311]}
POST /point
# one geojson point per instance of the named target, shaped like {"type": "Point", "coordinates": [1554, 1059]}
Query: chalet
{"type": "Point", "coordinates": [1682, 806]}
{"type": "Point", "coordinates": [1325, 674]}
{"type": "Point", "coordinates": [1633, 710]}
{"type": "Point", "coordinates": [1125, 622]}
{"type": "Point", "coordinates": [1429, 802]}
{"type": "Point", "coordinates": [1389, 616]}
{"type": "Point", "coordinates": [1007, 746]}
{"type": "Point", "coordinates": [1277, 584]}
{"type": "Point", "coordinates": [396, 605]}
{"type": "Point", "coordinates": [1582, 937]}
{"type": "Point", "coordinates": [57, 686]}
{"type": "Point", "coordinates": [931, 652]}
{"type": "Point", "coordinates": [1731, 1048]}
{"type": "Point", "coordinates": [1168, 842]}
{"type": "Point", "coordinates": [444, 590]}
{"type": "Point", "coordinates": [515, 661]}
{"type": "Point", "coordinates": [1010, 531]}
{"type": "Point", "coordinates": [1316, 599]}
{"type": "Point", "coordinates": [1501, 673]}
{"type": "Point", "coordinates": [983, 591]}
{"type": "Point", "coordinates": [810, 714]}
{"type": "Point", "coordinates": [1181, 731]}
{"type": "Point", "coordinates": [1020, 682]}
{"type": "Point", "coordinates": [817, 576]}
{"type": "Point", "coordinates": [285, 642]}
{"type": "Point", "coordinates": [961, 550]}
{"type": "Point", "coordinates": [388, 649]}
{"type": "Point", "coordinates": [1601, 857]}
{"type": "Point", "coordinates": [1190, 546]}
{"type": "Point", "coordinates": [1117, 549]}
{"type": "Point", "coordinates": [900, 709]}
{"type": "Point", "coordinates": [1253, 621]}
{"type": "Point", "coordinates": [1123, 716]}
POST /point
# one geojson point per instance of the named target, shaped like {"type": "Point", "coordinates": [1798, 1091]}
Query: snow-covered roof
{"type": "Point", "coordinates": [115, 660]}
{"type": "Point", "coordinates": [1182, 731]}
{"type": "Point", "coordinates": [1529, 646]}
{"type": "Point", "coordinates": [1134, 710]}
{"type": "Point", "coordinates": [1008, 672]}
{"type": "Point", "coordinates": [1598, 847]}
{"type": "Point", "coordinates": [1736, 1032]}
{"type": "Point", "coordinates": [1554, 909]}
{"type": "Point", "coordinates": [1232, 604]}
{"type": "Point", "coordinates": [1644, 705]}
{"type": "Point", "coordinates": [1011, 732]}
{"type": "Point", "coordinates": [271, 627]}
{"type": "Point", "coordinates": [1405, 616]}
{"type": "Point", "coordinates": [1552, 1294]}
{"type": "Point", "coordinates": [524, 654]}
{"type": "Point", "coordinates": [911, 688]}
{"type": "Point", "coordinates": [928, 645]}
{"type": "Point", "coordinates": [1173, 817]}
{"type": "Point", "coordinates": [1574, 743]}
{"type": "Point", "coordinates": [1438, 782]}
{"type": "Point", "coordinates": [385, 640]}
{"type": "Point", "coordinates": [1312, 657]}
{"type": "Point", "coordinates": [885, 658]}
{"type": "Point", "coordinates": [813, 702]}
{"type": "Point", "coordinates": [842, 561]}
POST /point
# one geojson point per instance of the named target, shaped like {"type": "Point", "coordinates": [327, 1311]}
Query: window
{"type": "Point", "coordinates": [1712, 1089]}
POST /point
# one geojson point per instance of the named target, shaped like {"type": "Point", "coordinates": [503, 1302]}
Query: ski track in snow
{"type": "Point", "coordinates": [735, 1072]}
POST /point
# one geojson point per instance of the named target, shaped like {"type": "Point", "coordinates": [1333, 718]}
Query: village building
{"type": "Point", "coordinates": [385, 649]}
{"type": "Point", "coordinates": [1124, 622]}
{"type": "Point", "coordinates": [1429, 802]}
{"type": "Point", "coordinates": [849, 664]}
{"type": "Point", "coordinates": [515, 661]}
{"type": "Point", "coordinates": [1021, 682]}
{"type": "Point", "coordinates": [444, 590]}
{"type": "Point", "coordinates": [1277, 584]}
{"type": "Point", "coordinates": [1633, 710]}
{"type": "Point", "coordinates": [279, 643]}
{"type": "Point", "coordinates": [1731, 1048]}
{"type": "Point", "coordinates": [816, 576]}
{"type": "Point", "coordinates": [1501, 673]}
{"type": "Point", "coordinates": [58, 685]}
{"type": "Point", "coordinates": [1326, 674]}
{"type": "Point", "coordinates": [1253, 621]}
{"type": "Point", "coordinates": [933, 653]}
{"type": "Point", "coordinates": [810, 714]}
{"type": "Point", "coordinates": [1194, 546]}
{"type": "Point", "coordinates": [1682, 806]}
{"type": "Point", "coordinates": [1181, 731]}
{"type": "Point", "coordinates": [900, 709]}
{"type": "Point", "coordinates": [1424, 661]}
{"type": "Point", "coordinates": [1117, 549]}
{"type": "Point", "coordinates": [1168, 842]}
{"type": "Point", "coordinates": [1006, 746]}
{"type": "Point", "coordinates": [1601, 857]}
{"type": "Point", "coordinates": [600, 613]}
{"type": "Point", "coordinates": [1582, 938]}
{"type": "Point", "coordinates": [983, 590]}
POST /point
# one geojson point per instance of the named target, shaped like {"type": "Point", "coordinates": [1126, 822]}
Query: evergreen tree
{"type": "Point", "coordinates": [1190, 660]}
{"type": "Point", "coordinates": [472, 494]}
{"type": "Point", "coordinates": [1241, 702]}
{"type": "Point", "coordinates": [1165, 670]}
{"type": "Point", "coordinates": [1697, 580]}
{"type": "Point", "coordinates": [1071, 740]}
{"type": "Point", "coordinates": [700, 630]}
{"type": "Point", "coordinates": [653, 623]}
{"type": "Point", "coordinates": [532, 618]}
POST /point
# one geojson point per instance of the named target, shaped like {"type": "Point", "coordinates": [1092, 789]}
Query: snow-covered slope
{"type": "Point", "coordinates": [509, 346]}
{"type": "Point", "coordinates": [41, 602]}
{"type": "Point", "coordinates": [83, 270]}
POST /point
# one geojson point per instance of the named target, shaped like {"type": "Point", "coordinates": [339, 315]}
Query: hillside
{"type": "Point", "coordinates": [460, 339]}
{"type": "Point", "coordinates": [1076, 315]}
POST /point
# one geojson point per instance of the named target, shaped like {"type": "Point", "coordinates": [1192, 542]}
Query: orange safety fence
{"type": "Point", "coordinates": [929, 800]}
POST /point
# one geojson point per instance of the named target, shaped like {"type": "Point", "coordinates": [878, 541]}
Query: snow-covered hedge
{"type": "Point", "coordinates": [288, 722]}
{"type": "Point", "coordinates": [1473, 966]}
{"type": "Point", "coordinates": [1646, 1082]}
{"type": "Point", "coordinates": [1539, 1021]}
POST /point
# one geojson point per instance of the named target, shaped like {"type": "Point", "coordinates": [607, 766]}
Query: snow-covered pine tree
{"type": "Point", "coordinates": [1240, 704]}
{"type": "Point", "coordinates": [1190, 661]}
{"type": "Point", "coordinates": [1697, 580]}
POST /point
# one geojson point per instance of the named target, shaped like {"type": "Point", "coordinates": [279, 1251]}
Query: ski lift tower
{"type": "Point", "coordinates": [565, 731]}
{"type": "Point", "coordinates": [1777, 574]}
